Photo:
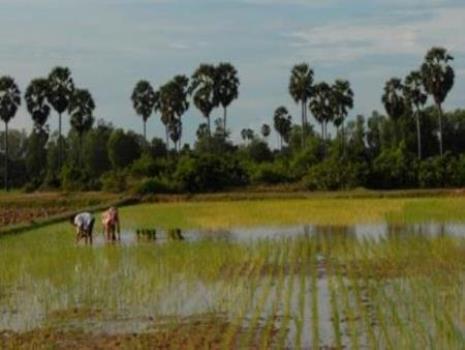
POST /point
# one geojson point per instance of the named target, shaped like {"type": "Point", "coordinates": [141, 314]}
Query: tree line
{"type": "Point", "coordinates": [369, 152]}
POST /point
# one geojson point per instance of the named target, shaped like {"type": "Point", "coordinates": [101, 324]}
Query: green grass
{"type": "Point", "coordinates": [214, 215]}
{"type": "Point", "coordinates": [384, 293]}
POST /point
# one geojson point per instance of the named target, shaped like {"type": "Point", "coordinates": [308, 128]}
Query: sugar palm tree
{"type": "Point", "coordinates": [36, 101]}
{"type": "Point", "coordinates": [247, 134]}
{"type": "Point", "coordinates": [203, 83]}
{"type": "Point", "coordinates": [343, 101]}
{"type": "Point", "coordinates": [438, 79]}
{"type": "Point", "coordinates": [393, 99]}
{"type": "Point", "coordinates": [301, 88]}
{"type": "Point", "coordinates": [226, 88]}
{"type": "Point", "coordinates": [282, 124]}
{"type": "Point", "coordinates": [172, 103]}
{"type": "Point", "coordinates": [416, 97]}
{"type": "Point", "coordinates": [175, 132]}
{"type": "Point", "coordinates": [10, 100]}
{"type": "Point", "coordinates": [321, 105]}
{"type": "Point", "coordinates": [81, 108]}
{"type": "Point", "coordinates": [143, 101]}
{"type": "Point", "coordinates": [265, 130]}
{"type": "Point", "coordinates": [61, 87]}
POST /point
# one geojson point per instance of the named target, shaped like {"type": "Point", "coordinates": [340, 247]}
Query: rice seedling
{"type": "Point", "coordinates": [326, 287]}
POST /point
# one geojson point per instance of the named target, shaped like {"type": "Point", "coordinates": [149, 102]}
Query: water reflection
{"type": "Point", "coordinates": [321, 233]}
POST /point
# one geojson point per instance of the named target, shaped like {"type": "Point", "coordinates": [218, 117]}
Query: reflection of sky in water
{"type": "Point", "coordinates": [359, 231]}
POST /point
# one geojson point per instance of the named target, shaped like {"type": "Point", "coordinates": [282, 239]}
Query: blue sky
{"type": "Point", "coordinates": [110, 44]}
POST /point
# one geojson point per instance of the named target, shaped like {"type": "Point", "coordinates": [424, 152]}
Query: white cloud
{"type": "Point", "coordinates": [348, 41]}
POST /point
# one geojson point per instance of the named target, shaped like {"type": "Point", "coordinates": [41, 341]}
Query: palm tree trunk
{"type": "Point", "coordinates": [145, 129]}
{"type": "Point", "coordinates": [418, 133]}
{"type": "Point", "coordinates": [209, 126]}
{"type": "Point", "coordinates": [303, 123]}
{"type": "Point", "coordinates": [305, 111]}
{"type": "Point", "coordinates": [167, 138]}
{"type": "Point", "coordinates": [180, 133]}
{"type": "Point", "coordinates": [80, 150]}
{"type": "Point", "coordinates": [60, 143]}
{"type": "Point", "coordinates": [225, 115]}
{"type": "Point", "coordinates": [6, 157]}
{"type": "Point", "coordinates": [343, 138]}
{"type": "Point", "coordinates": [441, 149]}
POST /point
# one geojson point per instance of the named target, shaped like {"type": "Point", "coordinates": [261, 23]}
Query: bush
{"type": "Point", "coordinates": [209, 173]}
{"type": "Point", "coordinates": [123, 148]}
{"type": "Point", "coordinates": [74, 178]}
{"type": "Point", "coordinates": [269, 173]}
{"type": "Point", "coordinates": [394, 168]}
{"type": "Point", "coordinates": [439, 172]}
{"type": "Point", "coordinates": [114, 181]}
{"type": "Point", "coordinates": [157, 185]}
{"type": "Point", "coordinates": [147, 166]}
{"type": "Point", "coordinates": [335, 174]}
{"type": "Point", "coordinates": [259, 151]}
{"type": "Point", "coordinates": [304, 159]}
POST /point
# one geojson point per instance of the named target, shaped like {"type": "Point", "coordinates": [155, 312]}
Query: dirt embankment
{"type": "Point", "coordinates": [19, 212]}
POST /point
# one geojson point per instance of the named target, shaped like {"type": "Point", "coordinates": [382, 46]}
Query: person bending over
{"type": "Point", "coordinates": [84, 223]}
{"type": "Point", "coordinates": [111, 226]}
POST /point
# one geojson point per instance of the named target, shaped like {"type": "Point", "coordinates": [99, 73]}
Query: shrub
{"type": "Point", "coordinates": [147, 166]}
{"type": "Point", "coordinates": [439, 172]}
{"type": "Point", "coordinates": [157, 185]}
{"type": "Point", "coordinates": [209, 173]}
{"type": "Point", "coordinates": [114, 181]}
{"type": "Point", "coordinates": [269, 173]}
{"type": "Point", "coordinates": [394, 168]}
{"type": "Point", "coordinates": [335, 174]}
{"type": "Point", "coordinates": [123, 148]}
{"type": "Point", "coordinates": [259, 151]}
{"type": "Point", "coordinates": [74, 178]}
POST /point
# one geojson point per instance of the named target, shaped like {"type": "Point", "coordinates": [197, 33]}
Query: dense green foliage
{"type": "Point", "coordinates": [412, 146]}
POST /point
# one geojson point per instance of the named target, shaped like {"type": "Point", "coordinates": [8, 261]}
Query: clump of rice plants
{"type": "Point", "coordinates": [327, 288]}
{"type": "Point", "coordinates": [174, 234]}
{"type": "Point", "coordinates": [146, 234]}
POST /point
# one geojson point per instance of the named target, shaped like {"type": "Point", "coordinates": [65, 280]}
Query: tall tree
{"type": "Point", "coordinates": [438, 79]}
{"type": "Point", "coordinates": [172, 104]}
{"type": "Point", "coordinates": [203, 83]}
{"type": "Point", "coordinates": [343, 101]}
{"type": "Point", "coordinates": [393, 99]}
{"type": "Point", "coordinates": [61, 87]}
{"type": "Point", "coordinates": [81, 108]}
{"type": "Point", "coordinates": [175, 132]}
{"type": "Point", "coordinates": [247, 134]}
{"type": "Point", "coordinates": [416, 97]}
{"type": "Point", "coordinates": [10, 100]}
{"type": "Point", "coordinates": [282, 124]}
{"type": "Point", "coordinates": [265, 130]}
{"type": "Point", "coordinates": [321, 105]}
{"type": "Point", "coordinates": [301, 89]}
{"type": "Point", "coordinates": [227, 88]}
{"type": "Point", "coordinates": [36, 101]}
{"type": "Point", "coordinates": [143, 101]}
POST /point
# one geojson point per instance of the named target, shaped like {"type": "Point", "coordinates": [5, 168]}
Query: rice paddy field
{"type": "Point", "coordinates": [266, 274]}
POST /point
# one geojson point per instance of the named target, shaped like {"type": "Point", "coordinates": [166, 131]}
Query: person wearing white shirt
{"type": "Point", "coordinates": [84, 223]}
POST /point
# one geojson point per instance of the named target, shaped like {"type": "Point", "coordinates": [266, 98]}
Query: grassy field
{"type": "Point", "coordinates": [310, 291]}
{"type": "Point", "coordinates": [324, 211]}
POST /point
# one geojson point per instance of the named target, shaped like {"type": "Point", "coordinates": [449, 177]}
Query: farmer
{"type": "Point", "coordinates": [110, 223]}
{"type": "Point", "coordinates": [84, 223]}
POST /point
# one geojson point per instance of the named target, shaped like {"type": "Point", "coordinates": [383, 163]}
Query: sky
{"type": "Point", "coordinates": [111, 44]}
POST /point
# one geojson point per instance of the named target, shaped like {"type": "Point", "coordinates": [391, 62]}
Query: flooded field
{"type": "Point", "coordinates": [372, 284]}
